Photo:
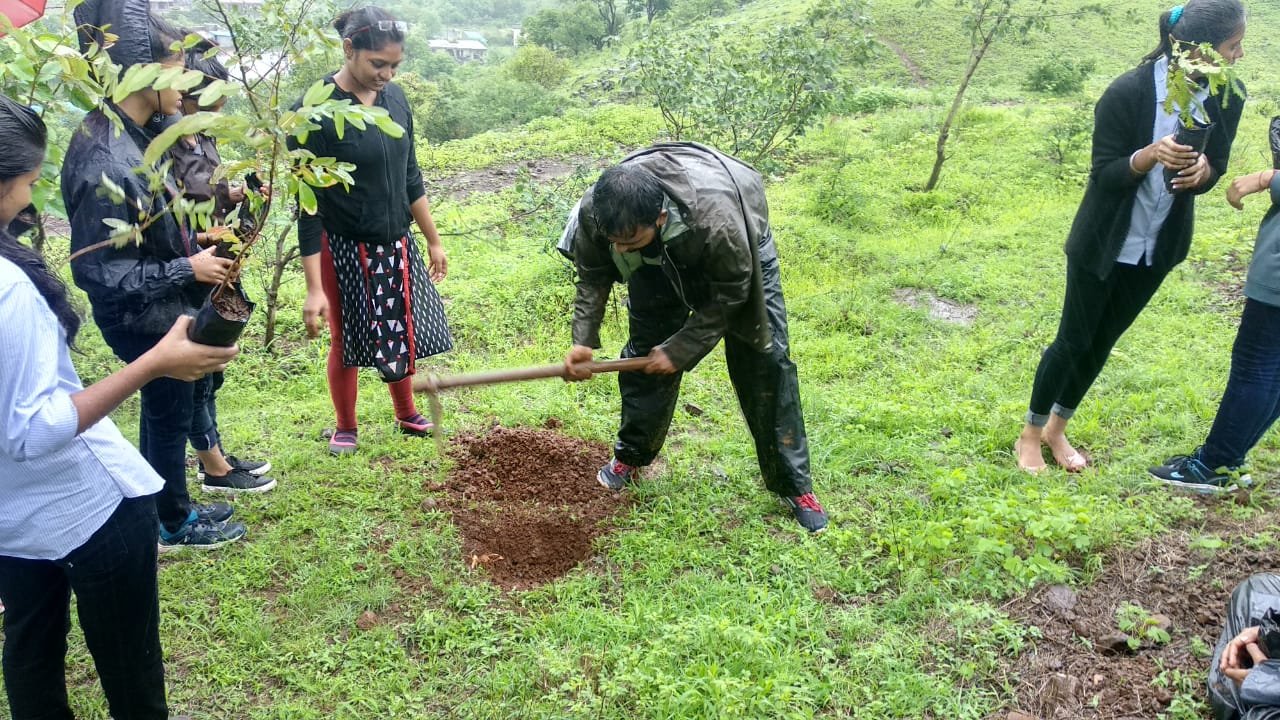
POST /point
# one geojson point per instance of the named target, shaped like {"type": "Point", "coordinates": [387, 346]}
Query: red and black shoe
{"type": "Point", "coordinates": [808, 512]}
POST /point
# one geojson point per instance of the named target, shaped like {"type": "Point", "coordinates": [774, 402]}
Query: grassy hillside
{"type": "Point", "coordinates": [708, 601]}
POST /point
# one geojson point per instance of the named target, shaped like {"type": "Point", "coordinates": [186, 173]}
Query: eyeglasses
{"type": "Point", "coordinates": [384, 26]}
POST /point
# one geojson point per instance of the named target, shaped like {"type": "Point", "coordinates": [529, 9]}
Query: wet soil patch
{"type": "Point", "coordinates": [496, 179]}
{"type": "Point", "coordinates": [939, 308]}
{"type": "Point", "coordinates": [1100, 658]}
{"type": "Point", "coordinates": [527, 504]}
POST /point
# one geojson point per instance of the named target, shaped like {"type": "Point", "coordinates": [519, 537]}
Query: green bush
{"type": "Point", "coordinates": [537, 65]}
{"type": "Point", "coordinates": [1058, 75]}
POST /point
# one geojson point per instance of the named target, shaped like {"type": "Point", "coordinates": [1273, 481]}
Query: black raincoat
{"type": "Point", "coordinates": [1258, 697]}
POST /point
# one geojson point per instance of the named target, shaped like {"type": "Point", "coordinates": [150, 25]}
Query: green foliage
{"type": "Point", "coordinates": [1134, 621]}
{"type": "Point", "coordinates": [1066, 139]}
{"type": "Point", "coordinates": [484, 100]}
{"type": "Point", "coordinates": [1191, 65]}
{"type": "Point", "coordinates": [534, 64]}
{"type": "Point", "coordinates": [1059, 75]}
{"type": "Point", "coordinates": [572, 30]}
{"type": "Point", "coordinates": [748, 94]}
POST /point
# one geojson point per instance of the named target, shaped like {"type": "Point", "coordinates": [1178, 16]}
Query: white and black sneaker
{"type": "Point", "coordinates": [249, 466]}
{"type": "Point", "coordinates": [235, 482]}
{"type": "Point", "coordinates": [1189, 473]}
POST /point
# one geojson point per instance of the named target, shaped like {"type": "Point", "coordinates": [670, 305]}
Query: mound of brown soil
{"type": "Point", "coordinates": [527, 503]}
{"type": "Point", "coordinates": [1084, 665]}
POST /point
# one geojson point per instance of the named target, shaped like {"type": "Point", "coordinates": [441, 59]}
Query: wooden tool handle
{"type": "Point", "coordinates": [431, 383]}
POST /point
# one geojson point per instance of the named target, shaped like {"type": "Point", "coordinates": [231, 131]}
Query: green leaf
{"type": "Point", "coordinates": [307, 198]}
{"type": "Point", "coordinates": [189, 125]}
{"type": "Point", "coordinates": [317, 93]}
{"type": "Point", "coordinates": [339, 125]}
{"type": "Point", "coordinates": [137, 77]}
{"type": "Point", "coordinates": [388, 126]}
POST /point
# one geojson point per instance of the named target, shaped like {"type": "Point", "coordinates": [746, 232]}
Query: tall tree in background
{"type": "Point", "coordinates": [649, 9]}
{"type": "Point", "coordinates": [749, 94]}
{"type": "Point", "coordinates": [611, 16]}
{"type": "Point", "coordinates": [989, 21]}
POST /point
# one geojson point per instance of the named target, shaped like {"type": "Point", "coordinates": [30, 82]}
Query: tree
{"type": "Point", "coordinates": [538, 65]}
{"type": "Point", "coordinates": [989, 21]}
{"type": "Point", "coordinates": [610, 16]}
{"type": "Point", "coordinates": [749, 94]}
{"type": "Point", "coordinates": [571, 30]}
{"type": "Point", "coordinates": [649, 9]}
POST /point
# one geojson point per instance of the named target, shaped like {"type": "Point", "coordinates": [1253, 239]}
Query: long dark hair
{"type": "Point", "coordinates": [1200, 21]}
{"type": "Point", "coordinates": [361, 27]}
{"type": "Point", "coordinates": [23, 137]}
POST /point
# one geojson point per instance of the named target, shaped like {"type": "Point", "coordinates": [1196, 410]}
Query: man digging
{"type": "Point", "coordinates": [687, 228]}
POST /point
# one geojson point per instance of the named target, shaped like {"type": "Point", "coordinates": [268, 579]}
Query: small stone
{"type": "Point", "coordinates": [693, 410]}
{"type": "Point", "coordinates": [1160, 621]}
{"type": "Point", "coordinates": [1116, 643]}
{"type": "Point", "coordinates": [367, 620]}
{"type": "Point", "coordinates": [1061, 599]}
{"type": "Point", "coordinates": [1205, 618]}
{"type": "Point", "coordinates": [430, 504]}
{"type": "Point", "coordinates": [1053, 664]}
{"type": "Point", "coordinates": [1062, 691]}
{"type": "Point", "coordinates": [1097, 679]}
{"type": "Point", "coordinates": [1017, 715]}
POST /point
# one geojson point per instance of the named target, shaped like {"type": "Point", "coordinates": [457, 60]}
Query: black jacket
{"type": "Point", "coordinates": [715, 264]}
{"type": "Point", "coordinates": [140, 289]}
{"type": "Point", "coordinates": [1123, 119]}
{"type": "Point", "coordinates": [387, 178]}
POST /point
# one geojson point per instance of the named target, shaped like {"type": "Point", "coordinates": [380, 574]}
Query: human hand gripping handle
{"type": "Point", "coordinates": [577, 363]}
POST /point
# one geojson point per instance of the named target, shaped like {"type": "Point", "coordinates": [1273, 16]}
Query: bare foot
{"type": "Point", "coordinates": [1027, 449]}
{"type": "Point", "coordinates": [1064, 454]}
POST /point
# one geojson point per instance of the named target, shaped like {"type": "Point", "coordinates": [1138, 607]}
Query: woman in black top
{"type": "Point", "coordinates": [363, 270]}
{"type": "Point", "coordinates": [1129, 231]}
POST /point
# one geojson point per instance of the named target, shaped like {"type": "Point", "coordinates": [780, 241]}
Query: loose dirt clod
{"type": "Point", "coordinates": [527, 503]}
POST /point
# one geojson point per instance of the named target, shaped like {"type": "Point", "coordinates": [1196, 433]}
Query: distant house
{"type": "Point", "coordinates": [463, 46]}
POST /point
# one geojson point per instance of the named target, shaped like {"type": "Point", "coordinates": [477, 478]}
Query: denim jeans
{"type": "Point", "coordinates": [204, 418]}
{"type": "Point", "coordinates": [114, 578]}
{"type": "Point", "coordinates": [1251, 402]}
{"type": "Point", "coordinates": [168, 407]}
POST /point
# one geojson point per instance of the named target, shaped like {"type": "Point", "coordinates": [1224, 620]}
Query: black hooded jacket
{"type": "Point", "coordinates": [138, 289]}
{"type": "Point", "coordinates": [143, 288]}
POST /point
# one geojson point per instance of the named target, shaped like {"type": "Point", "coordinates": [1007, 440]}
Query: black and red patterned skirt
{"type": "Point", "coordinates": [391, 312]}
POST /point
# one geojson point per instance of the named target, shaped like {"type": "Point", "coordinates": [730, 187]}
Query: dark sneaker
{"type": "Point", "coordinates": [249, 466]}
{"type": "Point", "coordinates": [616, 474]}
{"type": "Point", "coordinates": [808, 512]}
{"type": "Point", "coordinates": [342, 442]}
{"type": "Point", "coordinates": [201, 535]}
{"type": "Point", "coordinates": [417, 426]}
{"type": "Point", "coordinates": [1188, 473]}
{"type": "Point", "coordinates": [213, 512]}
{"type": "Point", "coordinates": [236, 481]}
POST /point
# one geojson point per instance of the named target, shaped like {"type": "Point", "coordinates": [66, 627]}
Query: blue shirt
{"type": "Point", "coordinates": [56, 487]}
{"type": "Point", "coordinates": [1151, 208]}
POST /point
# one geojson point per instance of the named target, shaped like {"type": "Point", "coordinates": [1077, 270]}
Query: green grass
{"type": "Point", "coordinates": [709, 602]}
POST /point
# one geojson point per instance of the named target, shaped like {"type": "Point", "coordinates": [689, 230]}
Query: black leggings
{"type": "Point", "coordinates": [1095, 313]}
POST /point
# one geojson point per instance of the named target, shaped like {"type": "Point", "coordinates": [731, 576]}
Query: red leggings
{"type": "Point", "coordinates": [343, 379]}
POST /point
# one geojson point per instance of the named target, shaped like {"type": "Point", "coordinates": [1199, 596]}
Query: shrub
{"type": "Point", "coordinates": [1058, 75]}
